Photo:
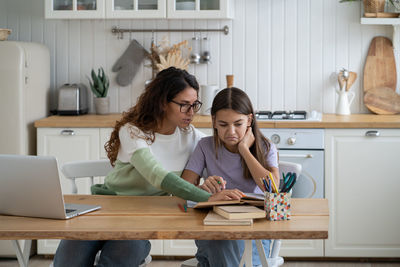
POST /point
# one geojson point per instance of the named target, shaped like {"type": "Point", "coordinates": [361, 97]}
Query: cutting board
{"type": "Point", "coordinates": [382, 100]}
{"type": "Point", "coordinates": [380, 66]}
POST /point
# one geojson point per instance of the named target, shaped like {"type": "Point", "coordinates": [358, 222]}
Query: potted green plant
{"type": "Point", "coordinates": [99, 86]}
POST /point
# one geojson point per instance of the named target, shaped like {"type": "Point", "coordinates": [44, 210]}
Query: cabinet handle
{"type": "Point", "coordinates": [67, 132]}
{"type": "Point", "coordinates": [372, 133]}
{"type": "Point", "coordinates": [296, 156]}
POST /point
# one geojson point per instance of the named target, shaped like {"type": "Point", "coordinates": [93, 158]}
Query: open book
{"type": "Point", "coordinates": [239, 212]}
{"type": "Point", "coordinates": [249, 198]}
{"type": "Point", "coordinates": [213, 218]}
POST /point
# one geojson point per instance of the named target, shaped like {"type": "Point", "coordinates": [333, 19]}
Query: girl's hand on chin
{"type": "Point", "coordinates": [248, 139]}
{"type": "Point", "coordinates": [228, 194]}
{"type": "Point", "coordinates": [213, 184]}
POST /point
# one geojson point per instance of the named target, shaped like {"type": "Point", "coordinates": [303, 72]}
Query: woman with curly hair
{"type": "Point", "coordinates": [149, 148]}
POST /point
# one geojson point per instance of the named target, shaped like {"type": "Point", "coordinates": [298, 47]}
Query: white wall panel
{"type": "Point", "coordinates": [3, 13]}
{"type": "Point", "coordinates": [277, 54]}
{"type": "Point", "coordinates": [86, 50]}
{"type": "Point", "coordinates": [316, 55]}
{"type": "Point", "coordinates": [200, 69]}
{"type": "Point", "coordinates": [13, 15]}
{"type": "Point", "coordinates": [74, 45]}
{"type": "Point", "coordinates": [290, 55]}
{"type": "Point", "coordinates": [62, 53]}
{"type": "Point", "coordinates": [251, 48]}
{"type": "Point", "coordinates": [225, 54]}
{"type": "Point", "coordinates": [328, 37]}
{"type": "Point", "coordinates": [141, 76]}
{"type": "Point", "coordinates": [304, 55]}
{"type": "Point", "coordinates": [213, 74]}
{"type": "Point", "coordinates": [264, 53]}
{"type": "Point", "coordinates": [284, 53]}
{"type": "Point", "coordinates": [239, 45]}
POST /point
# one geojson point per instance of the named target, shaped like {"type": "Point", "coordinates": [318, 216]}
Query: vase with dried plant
{"type": "Point", "coordinates": [163, 56]}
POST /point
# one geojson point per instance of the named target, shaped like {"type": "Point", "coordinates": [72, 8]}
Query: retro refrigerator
{"type": "Point", "coordinates": [24, 98]}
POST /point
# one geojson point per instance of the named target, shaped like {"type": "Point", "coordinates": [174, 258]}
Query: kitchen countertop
{"type": "Point", "coordinates": [328, 121]}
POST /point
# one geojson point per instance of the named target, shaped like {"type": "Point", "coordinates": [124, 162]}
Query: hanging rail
{"type": "Point", "coordinates": [120, 32]}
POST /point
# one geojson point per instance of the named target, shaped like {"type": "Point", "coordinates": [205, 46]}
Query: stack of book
{"type": "Point", "coordinates": [233, 215]}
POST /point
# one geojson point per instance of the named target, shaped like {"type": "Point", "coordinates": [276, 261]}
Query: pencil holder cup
{"type": "Point", "coordinates": [277, 206]}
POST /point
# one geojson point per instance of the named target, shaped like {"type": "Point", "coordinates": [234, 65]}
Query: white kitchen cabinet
{"type": "Point", "coordinates": [138, 9]}
{"type": "Point", "coordinates": [362, 186]}
{"type": "Point", "coordinates": [302, 248]}
{"type": "Point", "coordinates": [104, 9]}
{"type": "Point", "coordinates": [128, 9]}
{"type": "Point", "coordinates": [74, 9]}
{"type": "Point", "coordinates": [69, 144]}
{"type": "Point", "coordinates": [200, 9]}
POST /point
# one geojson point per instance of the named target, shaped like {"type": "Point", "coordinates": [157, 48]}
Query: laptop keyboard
{"type": "Point", "coordinates": [69, 210]}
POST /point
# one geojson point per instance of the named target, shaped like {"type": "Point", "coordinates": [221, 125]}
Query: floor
{"type": "Point", "coordinates": [40, 261]}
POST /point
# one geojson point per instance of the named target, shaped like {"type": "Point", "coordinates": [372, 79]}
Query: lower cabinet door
{"type": "Point", "coordinates": [302, 248]}
{"type": "Point", "coordinates": [47, 246]}
{"type": "Point", "coordinates": [362, 184]}
{"type": "Point", "coordinates": [156, 247]}
{"type": "Point", "coordinates": [179, 247]}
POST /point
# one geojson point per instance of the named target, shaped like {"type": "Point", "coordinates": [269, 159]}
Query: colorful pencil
{"type": "Point", "coordinates": [273, 182]}
{"type": "Point", "coordinates": [181, 207]}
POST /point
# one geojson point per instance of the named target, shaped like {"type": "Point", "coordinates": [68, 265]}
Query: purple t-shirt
{"type": "Point", "coordinates": [228, 165]}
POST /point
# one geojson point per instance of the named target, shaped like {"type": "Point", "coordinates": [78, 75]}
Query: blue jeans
{"type": "Point", "coordinates": [226, 252]}
{"type": "Point", "coordinates": [113, 253]}
{"type": "Point", "coordinates": [221, 253]}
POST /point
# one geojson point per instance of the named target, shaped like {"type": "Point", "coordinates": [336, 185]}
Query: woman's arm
{"type": "Point", "coordinates": [155, 174]}
{"type": "Point", "coordinates": [213, 184]}
{"type": "Point", "coordinates": [256, 169]}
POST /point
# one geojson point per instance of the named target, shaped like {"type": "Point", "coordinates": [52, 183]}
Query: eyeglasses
{"type": "Point", "coordinates": [184, 108]}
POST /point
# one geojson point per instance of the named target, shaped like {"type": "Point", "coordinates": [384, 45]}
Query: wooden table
{"type": "Point", "coordinates": [133, 217]}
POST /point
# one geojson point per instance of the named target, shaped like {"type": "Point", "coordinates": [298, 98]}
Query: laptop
{"type": "Point", "coordinates": [30, 186]}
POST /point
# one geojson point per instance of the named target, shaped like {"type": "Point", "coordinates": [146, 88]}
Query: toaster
{"type": "Point", "coordinates": [72, 99]}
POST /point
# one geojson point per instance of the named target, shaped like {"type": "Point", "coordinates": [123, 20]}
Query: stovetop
{"type": "Point", "coordinates": [281, 115]}
{"type": "Point", "coordinates": [296, 115]}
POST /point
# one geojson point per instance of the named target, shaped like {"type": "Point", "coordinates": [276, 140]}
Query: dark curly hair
{"type": "Point", "coordinates": [149, 112]}
{"type": "Point", "coordinates": [237, 100]}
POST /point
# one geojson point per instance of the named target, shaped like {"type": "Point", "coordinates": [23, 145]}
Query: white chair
{"type": "Point", "coordinates": [274, 259]}
{"type": "Point", "coordinates": [89, 168]}
{"type": "Point", "coordinates": [82, 169]}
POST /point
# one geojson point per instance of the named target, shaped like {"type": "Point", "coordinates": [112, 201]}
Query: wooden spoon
{"type": "Point", "coordinates": [352, 78]}
{"type": "Point", "coordinates": [341, 80]}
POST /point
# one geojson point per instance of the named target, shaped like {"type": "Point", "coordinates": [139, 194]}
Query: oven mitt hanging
{"type": "Point", "coordinates": [127, 65]}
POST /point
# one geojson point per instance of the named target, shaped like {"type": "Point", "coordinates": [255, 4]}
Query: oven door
{"type": "Point", "coordinates": [310, 184]}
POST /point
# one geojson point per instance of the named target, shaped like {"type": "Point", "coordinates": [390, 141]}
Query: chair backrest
{"type": "Point", "coordinates": [285, 167]}
{"type": "Point", "coordinates": [87, 168]}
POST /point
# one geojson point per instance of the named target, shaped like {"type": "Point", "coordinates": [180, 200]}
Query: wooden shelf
{"type": "Point", "coordinates": [380, 21]}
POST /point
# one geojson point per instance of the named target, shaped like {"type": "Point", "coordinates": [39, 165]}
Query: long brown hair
{"type": "Point", "coordinates": [237, 100]}
{"type": "Point", "coordinates": [149, 110]}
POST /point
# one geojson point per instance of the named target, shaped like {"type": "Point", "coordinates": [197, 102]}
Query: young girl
{"type": "Point", "coordinates": [237, 156]}
{"type": "Point", "coordinates": [148, 148]}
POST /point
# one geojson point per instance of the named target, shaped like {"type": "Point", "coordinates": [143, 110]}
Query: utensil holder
{"type": "Point", "coordinates": [277, 206]}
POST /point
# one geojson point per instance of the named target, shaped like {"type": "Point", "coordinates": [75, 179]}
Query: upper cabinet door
{"type": "Point", "coordinates": [133, 9]}
{"type": "Point", "coordinates": [74, 9]}
{"type": "Point", "coordinates": [200, 9]}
